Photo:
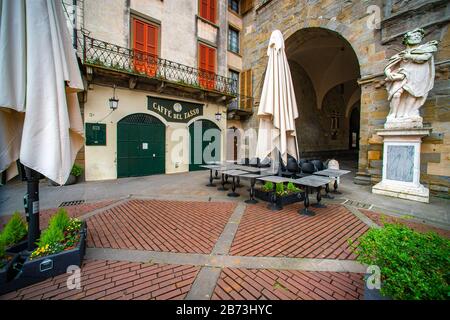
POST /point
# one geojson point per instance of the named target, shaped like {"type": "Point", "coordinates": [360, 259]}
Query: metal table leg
{"type": "Point", "coordinates": [327, 192]}
{"type": "Point", "coordinates": [252, 199]}
{"type": "Point", "coordinates": [223, 184]}
{"type": "Point", "coordinates": [216, 176]}
{"type": "Point", "coordinates": [273, 203]}
{"type": "Point", "coordinates": [210, 184]}
{"type": "Point", "coordinates": [238, 182]}
{"type": "Point", "coordinates": [335, 186]}
{"type": "Point", "coordinates": [305, 210]}
{"type": "Point", "coordinates": [319, 197]}
{"type": "Point", "coordinates": [233, 192]}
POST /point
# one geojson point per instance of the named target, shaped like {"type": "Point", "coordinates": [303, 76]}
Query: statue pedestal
{"type": "Point", "coordinates": [401, 164]}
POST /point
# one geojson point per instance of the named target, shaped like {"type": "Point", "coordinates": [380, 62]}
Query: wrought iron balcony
{"type": "Point", "coordinates": [241, 106]}
{"type": "Point", "coordinates": [101, 54]}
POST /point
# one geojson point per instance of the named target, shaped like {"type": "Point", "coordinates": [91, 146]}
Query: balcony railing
{"type": "Point", "coordinates": [94, 52]}
{"type": "Point", "coordinates": [242, 103]}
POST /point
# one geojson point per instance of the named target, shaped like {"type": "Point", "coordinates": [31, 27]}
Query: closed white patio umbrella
{"type": "Point", "coordinates": [278, 108]}
{"type": "Point", "coordinates": [40, 119]}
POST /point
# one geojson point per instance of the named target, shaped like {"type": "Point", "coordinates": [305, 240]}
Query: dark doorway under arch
{"type": "Point", "coordinates": [199, 142]}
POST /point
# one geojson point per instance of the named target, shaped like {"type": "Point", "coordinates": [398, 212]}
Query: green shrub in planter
{"type": "Point", "coordinates": [413, 265]}
{"type": "Point", "coordinates": [76, 170]}
{"type": "Point", "coordinates": [279, 187]}
{"type": "Point", "coordinates": [14, 231]}
{"type": "Point", "coordinates": [60, 220]}
{"type": "Point", "coordinates": [268, 186]}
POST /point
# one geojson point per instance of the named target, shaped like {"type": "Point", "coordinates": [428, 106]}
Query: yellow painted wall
{"type": "Point", "coordinates": [101, 161]}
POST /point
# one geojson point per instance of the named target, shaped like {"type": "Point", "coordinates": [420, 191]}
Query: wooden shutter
{"type": "Point", "coordinates": [207, 66]}
{"type": "Point", "coordinates": [204, 9]}
{"type": "Point", "coordinates": [246, 5]}
{"type": "Point", "coordinates": [212, 11]}
{"type": "Point", "coordinates": [245, 89]}
{"type": "Point", "coordinates": [145, 46]}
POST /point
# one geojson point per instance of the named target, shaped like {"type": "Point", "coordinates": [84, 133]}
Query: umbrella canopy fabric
{"type": "Point", "coordinates": [40, 119]}
{"type": "Point", "coordinates": [278, 106]}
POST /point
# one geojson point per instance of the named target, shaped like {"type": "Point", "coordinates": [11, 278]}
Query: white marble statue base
{"type": "Point", "coordinates": [401, 164]}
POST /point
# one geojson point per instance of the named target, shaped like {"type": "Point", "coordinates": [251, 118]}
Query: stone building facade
{"type": "Point", "coordinates": [337, 51]}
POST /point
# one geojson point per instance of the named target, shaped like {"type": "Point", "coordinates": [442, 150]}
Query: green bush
{"type": "Point", "coordinates": [292, 188]}
{"type": "Point", "coordinates": [51, 236]}
{"type": "Point", "coordinates": [60, 220]}
{"type": "Point", "coordinates": [413, 265]}
{"type": "Point", "coordinates": [76, 170]}
{"type": "Point", "coordinates": [268, 186]}
{"type": "Point", "coordinates": [2, 249]}
{"type": "Point", "coordinates": [280, 189]}
{"type": "Point", "coordinates": [14, 231]}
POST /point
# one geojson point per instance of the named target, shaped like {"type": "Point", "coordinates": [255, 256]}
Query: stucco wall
{"type": "Point", "coordinates": [101, 161]}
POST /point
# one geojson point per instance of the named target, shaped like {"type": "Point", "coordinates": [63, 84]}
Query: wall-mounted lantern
{"type": "Point", "coordinates": [113, 102]}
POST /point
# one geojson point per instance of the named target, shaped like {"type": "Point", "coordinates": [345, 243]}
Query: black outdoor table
{"type": "Point", "coordinates": [247, 169]}
{"type": "Point", "coordinates": [210, 168]}
{"type": "Point", "coordinates": [224, 181]}
{"type": "Point", "coordinates": [312, 182]}
{"type": "Point", "coordinates": [332, 173]}
{"type": "Point", "coordinates": [234, 173]}
{"type": "Point", "coordinates": [253, 177]}
{"type": "Point", "coordinates": [274, 179]}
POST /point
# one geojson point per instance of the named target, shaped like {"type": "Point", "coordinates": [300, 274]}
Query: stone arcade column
{"type": "Point", "coordinates": [401, 164]}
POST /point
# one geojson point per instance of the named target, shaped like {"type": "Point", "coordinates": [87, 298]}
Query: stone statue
{"type": "Point", "coordinates": [410, 76]}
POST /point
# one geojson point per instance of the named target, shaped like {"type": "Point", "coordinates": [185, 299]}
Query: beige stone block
{"type": "Point", "coordinates": [374, 155]}
{"type": "Point", "coordinates": [439, 169]}
{"type": "Point", "coordinates": [375, 139]}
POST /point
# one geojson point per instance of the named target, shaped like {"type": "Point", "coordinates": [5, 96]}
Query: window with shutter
{"type": "Point", "coordinates": [208, 10]}
{"type": "Point", "coordinates": [145, 47]}
{"type": "Point", "coordinates": [207, 66]}
{"type": "Point", "coordinates": [245, 90]}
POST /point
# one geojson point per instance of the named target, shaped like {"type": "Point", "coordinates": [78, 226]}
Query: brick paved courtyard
{"type": "Point", "coordinates": [164, 249]}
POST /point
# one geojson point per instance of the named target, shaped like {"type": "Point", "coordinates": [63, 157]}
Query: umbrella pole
{"type": "Point", "coordinates": [32, 207]}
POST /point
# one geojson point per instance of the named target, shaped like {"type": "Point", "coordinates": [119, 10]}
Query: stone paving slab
{"type": "Point", "coordinates": [262, 284]}
{"type": "Point", "coordinates": [167, 226]}
{"type": "Point", "coordinates": [115, 280]}
{"type": "Point", "coordinates": [286, 233]}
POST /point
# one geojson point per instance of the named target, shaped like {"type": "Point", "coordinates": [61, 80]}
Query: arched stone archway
{"type": "Point", "coordinates": [324, 69]}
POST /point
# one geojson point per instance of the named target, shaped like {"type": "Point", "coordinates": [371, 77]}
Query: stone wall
{"type": "Point", "coordinates": [353, 22]}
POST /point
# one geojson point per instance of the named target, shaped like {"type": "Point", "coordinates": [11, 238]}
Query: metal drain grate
{"type": "Point", "coordinates": [71, 203]}
{"type": "Point", "coordinates": [357, 204]}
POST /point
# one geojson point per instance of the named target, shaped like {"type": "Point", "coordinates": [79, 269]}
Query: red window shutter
{"type": "Point", "coordinates": [152, 39]}
{"type": "Point", "coordinates": [204, 9]}
{"type": "Point", "coordinates": [212, 11]}
{"type": "Point", "coordinates": [203, 57]}
{"type": "Point", "coordinates": [212, 60]}
{"type": "Point", "coordinates": [139, 35]}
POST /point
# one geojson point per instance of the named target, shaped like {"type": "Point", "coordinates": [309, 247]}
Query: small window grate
{"type": "Point", "coordinates": [71, 203]}
{"type": "Point", "coordinates": [357, 204]}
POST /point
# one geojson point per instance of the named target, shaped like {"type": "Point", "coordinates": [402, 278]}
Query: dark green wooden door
{"type": "Point", "coordinates": [201, 140]}
{"type": "Point", "coordinates": [141, 140]}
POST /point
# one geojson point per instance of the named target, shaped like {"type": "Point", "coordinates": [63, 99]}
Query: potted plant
{"type": "Point", "coordinates": [73, 177]}
{"type": "Point", "coordinates": [285, 194]}
{"type": "Point", "coordinates": [6, 262]}
{"type": "Point", "coordinates": [14, 235]}
{"type": "Point", "coordinates": [413, 265]}
{"type": "Point", "coordinates": [62, 244]}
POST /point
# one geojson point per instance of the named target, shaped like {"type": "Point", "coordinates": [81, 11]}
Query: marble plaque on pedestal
{"type": "Point", "coordinates": [400, 163]}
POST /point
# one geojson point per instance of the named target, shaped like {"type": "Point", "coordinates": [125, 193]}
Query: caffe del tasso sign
{"type": "Point", "coordinates": [173, 110]}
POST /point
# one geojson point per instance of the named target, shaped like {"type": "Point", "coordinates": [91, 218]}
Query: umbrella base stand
{"type": "Point", "coordinates": [307, 212]}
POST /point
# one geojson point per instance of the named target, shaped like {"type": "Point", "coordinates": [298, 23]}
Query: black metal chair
{"type": "Point", "coordinates": [301, 162]}
{"type": "Point", "coordinates": [318, 164]}
{"type": "Point", "coordinates": [254, 162]}
{"type": "Point", "coordinates": [291, 168]}
{"type": "Point", "coordinates": [307, 169]}
{"type": "Point", "coordinates": [265, 163]}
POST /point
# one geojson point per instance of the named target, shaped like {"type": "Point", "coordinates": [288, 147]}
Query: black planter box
{"type": "Point", "coordinates": [39, 269]}
{"type": "Point", "coordinates": [283, 200]}
{"type": "Point", "coordinates": [55, 264]}
{"type": "Point", "coordinates": [19, 247]}
{"type": "Point", "coordinates": [7, 272]}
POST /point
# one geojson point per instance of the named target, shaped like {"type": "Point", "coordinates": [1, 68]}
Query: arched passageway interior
{"type": "Point", "coordinates": [325, 69]}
